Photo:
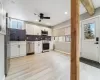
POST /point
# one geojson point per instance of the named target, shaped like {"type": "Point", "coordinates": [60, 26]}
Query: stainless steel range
{"type": "Point", "coordinates": [45, 46]}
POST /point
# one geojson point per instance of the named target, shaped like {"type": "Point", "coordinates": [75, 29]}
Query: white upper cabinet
{"type": "Point", "coordinates": [16, 24]}
{"type": "Point", "coordinates": [30, 29]}
{"type": "Point", "coordinates": [49, 31]}
{"type": "Point", "coordinates": [37, 30]}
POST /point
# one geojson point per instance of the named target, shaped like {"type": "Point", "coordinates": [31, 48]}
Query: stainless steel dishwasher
{"type": "Point", "coordinates": [30, 47]}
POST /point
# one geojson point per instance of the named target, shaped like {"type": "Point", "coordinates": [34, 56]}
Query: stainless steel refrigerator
{"type": "Point", "coordinates": [7, 46]}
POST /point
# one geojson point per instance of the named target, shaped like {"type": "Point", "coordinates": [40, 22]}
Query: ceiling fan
{"type": "Point", "coordinates": [41, 16]}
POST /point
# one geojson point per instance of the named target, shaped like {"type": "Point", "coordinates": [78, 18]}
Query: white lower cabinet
{"type": "Point", "coordinates": [14, 50]}
{"type": "Point", "coordinates": [18, 48]}
{"type": "Point", "coordinates": [22, 48]}
{"type": "Point", "coordinates": [37, 47]}
{"type": "Point", "coordinates": [50, 45]}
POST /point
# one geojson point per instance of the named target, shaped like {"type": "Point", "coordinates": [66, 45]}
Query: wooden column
{"type": "Point", "coordinates": [75, 5]}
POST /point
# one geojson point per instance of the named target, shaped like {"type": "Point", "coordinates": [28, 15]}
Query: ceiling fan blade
{"type": "Point", "coordinates": [46, 17]}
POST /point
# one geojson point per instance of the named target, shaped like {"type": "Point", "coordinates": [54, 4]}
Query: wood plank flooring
{"type": "Point", "coordinates": [48, 66]}
{"type": "Point", "coordinates": [44, 66]}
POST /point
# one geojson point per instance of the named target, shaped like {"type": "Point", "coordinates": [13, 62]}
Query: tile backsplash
{"type": "Point", "coordinates": [20, 35]}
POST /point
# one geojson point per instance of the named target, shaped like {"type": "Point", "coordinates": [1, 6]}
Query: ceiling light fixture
{"type": "Point", "coordinates": [36, 20]}
{"type": "Point", "coordinates": [66, 13]}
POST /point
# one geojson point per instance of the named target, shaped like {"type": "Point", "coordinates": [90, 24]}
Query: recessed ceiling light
{"type": "Point", "coordinates": [66, 13]}
{"type": "Point", "coordinates": [36, 20]}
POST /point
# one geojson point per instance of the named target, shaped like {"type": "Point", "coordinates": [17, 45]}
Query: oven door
{"type": "Point", "coordinates": [45, 46]}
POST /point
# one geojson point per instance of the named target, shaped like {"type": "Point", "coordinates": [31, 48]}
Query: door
{"type": "Point", "coordinates": [90, 39]}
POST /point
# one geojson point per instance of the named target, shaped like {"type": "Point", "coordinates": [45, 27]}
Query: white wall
{"type": "Point", "coordinates": [59, 45]}
{"type": "Point", "coordinates": [82, 17]}
{"type": "Point", "coordinates": [1, 57]}
{"type": "Point", "coordinates": [63, 46]}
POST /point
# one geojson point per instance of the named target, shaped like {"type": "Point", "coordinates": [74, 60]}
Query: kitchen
{"type": "Point", "coordinates": [27, 38]}
{"type": "Point", "coordinates": [36, 40]}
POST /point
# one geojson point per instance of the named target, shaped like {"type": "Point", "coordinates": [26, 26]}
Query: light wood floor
{"type": "Point", "coordinates": [44, 66]}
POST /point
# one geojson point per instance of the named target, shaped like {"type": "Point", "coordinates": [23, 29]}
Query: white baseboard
{"type": "Point", "coordinates": [62, 52]}
{"type": "Point", "coordinates": [3, 77]}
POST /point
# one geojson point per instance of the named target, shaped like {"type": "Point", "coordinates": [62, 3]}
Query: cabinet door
{"type": "Point", "coordinates": [14, 51]}
{"type": "Point", "coordinates": [36, 48]}
{"type": "Point", "coordinates": [49, 32]}
{"type": "Point", "coordinates": [40, 46]}
{"type": "Point", "coordinates": [51, 45]}
{"type": "Point", "coordinates": [37, 30]}
{"type": "Point", "coordinates": [43, 28]}
{"type": "Point", "coordinates": [22, 48]}
{"type": "Point", "coordinates": [29, 29]}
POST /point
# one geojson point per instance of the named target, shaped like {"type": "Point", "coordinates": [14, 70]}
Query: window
{"type": "Point", "coordinates": [16, 24]}
{"type": "Point", "coordinates": [62, 39]}
{"type": "Point", "coordinates": [56, 38]}
{"type": "Point", "coordinates": [89, 31]}
{"type": "Point", "coordinates": [67, 38]}
{"type": "Point", "coordinates": [19, 24]}
{"type": "Point", "coordinates": [13, 24]}
{"type": "Point", "coordinates": [53, 38]}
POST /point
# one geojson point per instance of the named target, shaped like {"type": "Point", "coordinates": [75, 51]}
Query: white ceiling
{"type": "Point", "coordinates": [25, 9]}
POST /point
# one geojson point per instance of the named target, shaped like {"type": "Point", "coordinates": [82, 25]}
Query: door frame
{"type": "Point", "coordinates": [98, 16]}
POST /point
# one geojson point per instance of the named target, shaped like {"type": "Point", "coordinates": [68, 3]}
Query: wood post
{"type": "Point", "coordinates": [75, 5]}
